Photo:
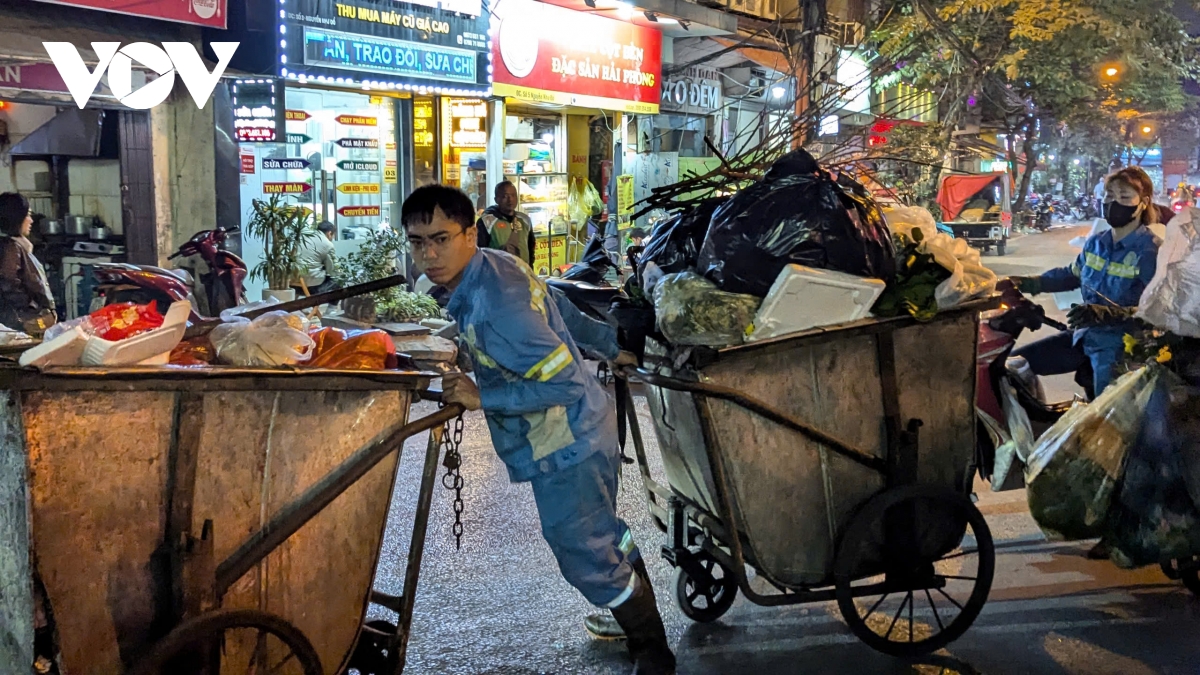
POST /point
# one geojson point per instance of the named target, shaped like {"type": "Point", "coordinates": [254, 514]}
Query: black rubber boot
{"type": "Point", "coordinates": [602, 625]}
{"type": "Point", "coordinates": [646, 636]}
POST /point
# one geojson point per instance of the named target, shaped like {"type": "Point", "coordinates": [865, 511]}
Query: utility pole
{"type": "Point", "coordinates": [812, 15]}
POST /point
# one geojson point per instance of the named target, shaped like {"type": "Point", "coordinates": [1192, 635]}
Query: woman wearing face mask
{"type": "Point", "coordinates": [25, 300]}
{"type": "Point", "coordinates": [1111, 273]}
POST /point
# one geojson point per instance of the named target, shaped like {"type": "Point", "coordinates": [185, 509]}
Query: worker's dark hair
{"type": "Point", "coordinates": [13, 209]}
{"type": "Point", "coordinates": [501, 185]}
{"type": "Point", "coordinates": [419, 207]}
{"type": "Point", "coordinates": [327, 226]}
{"type": "Point", "coordinates": [637, 233]}
{"type": "Point", "coordinates": [1136, 178]}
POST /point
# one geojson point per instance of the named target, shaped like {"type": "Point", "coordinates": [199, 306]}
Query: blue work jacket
{"type": "Point", "coordinates": [544, 410]}
{"type": "Point", "coordinates": [1109, 274]}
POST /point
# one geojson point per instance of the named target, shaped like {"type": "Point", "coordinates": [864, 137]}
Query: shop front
{"type": "Point", "coordinates": [370, 98]}
{"type": "Point", "coordinates": [566, 79]}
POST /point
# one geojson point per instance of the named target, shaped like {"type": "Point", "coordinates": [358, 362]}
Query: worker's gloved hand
{"type": "Point", "coordinates": [1087, 316]}
{"type": "Point", "coordinates": [1027, 285]}
{"type": "Point", "coordinates": [461, 389]}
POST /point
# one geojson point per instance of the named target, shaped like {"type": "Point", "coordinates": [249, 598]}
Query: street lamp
{"type": "Point", "coordinates": [1110, 72]}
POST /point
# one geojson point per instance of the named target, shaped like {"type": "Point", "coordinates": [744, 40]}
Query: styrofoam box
{"type": "Point", "coordinates": [803, 298]}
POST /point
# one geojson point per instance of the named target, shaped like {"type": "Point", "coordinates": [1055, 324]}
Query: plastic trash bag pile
{"type": "Point", "coordinates": [721, 257]}
{"type": "Point", "coordinates": [967, 280]}
{"type": "Point", "coordinates": [1172, 299]}
{"type": "Point", "coordinates": [1125, 467]}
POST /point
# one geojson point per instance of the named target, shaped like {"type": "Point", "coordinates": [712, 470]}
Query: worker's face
{"type": "Point", "coordinates": [441, 248]}
{"type": "Point", "coordinates": [506, 198]}
{"type": "Point", "coordinates": [1122, 193]}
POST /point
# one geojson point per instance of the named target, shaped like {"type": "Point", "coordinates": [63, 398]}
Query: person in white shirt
{"type": "Point", "coordinates": [318, 260]}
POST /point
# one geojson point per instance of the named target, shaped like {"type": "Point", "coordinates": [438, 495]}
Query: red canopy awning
{"type": "Point", "coordinates": [958, 189]}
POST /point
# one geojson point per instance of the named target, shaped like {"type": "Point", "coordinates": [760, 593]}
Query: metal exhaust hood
{"type": "Point", "coordinates": [70, 133]}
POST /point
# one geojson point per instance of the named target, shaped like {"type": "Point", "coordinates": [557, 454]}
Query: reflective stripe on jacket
{"type": "Point", "coordinates": [544, 410]}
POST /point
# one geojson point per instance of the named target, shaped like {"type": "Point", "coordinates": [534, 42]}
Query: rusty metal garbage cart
{"type": "Point", "coordinates": [835, 463]}
{"type": "Point", "coordinates": [211, 520]}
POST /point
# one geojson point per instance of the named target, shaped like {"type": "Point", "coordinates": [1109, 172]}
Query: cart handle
{"type": "Point", "coordinates": [308, 504]}
{"type": "Point", "coordinates": [759, 407]}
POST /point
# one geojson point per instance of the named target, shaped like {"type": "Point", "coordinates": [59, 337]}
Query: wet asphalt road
{"type": "Point", "coordinates": [499, 606]}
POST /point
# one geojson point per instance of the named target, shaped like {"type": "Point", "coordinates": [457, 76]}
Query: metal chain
{"type": "Point", "coordinates": [453, 480]}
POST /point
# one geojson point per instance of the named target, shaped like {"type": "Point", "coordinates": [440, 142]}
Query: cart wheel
{"type": "Point", "coordinates": [912, 595]}
{"type": "Point", "coordinates": [375, 653]}
{"type": "Point", "coordinates": [704, 600]}
{"type": "Point", "coordinates": [242, 640]}
{"type": "Point", "coordinates": [1001, 248]}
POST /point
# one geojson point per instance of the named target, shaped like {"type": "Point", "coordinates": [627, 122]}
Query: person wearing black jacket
{"type": "Point", "coordinates": [25, 299]}
{"type": "Point", "coordinates": [505, 228]}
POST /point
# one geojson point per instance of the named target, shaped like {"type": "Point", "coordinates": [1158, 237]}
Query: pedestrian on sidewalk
{"type": "Point", "coordinates": [551, 422]}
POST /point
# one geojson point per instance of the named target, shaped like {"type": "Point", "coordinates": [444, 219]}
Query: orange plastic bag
{"type": "Point", "coordinates": [195, 352]}
{"type": "Point", "coordinates": [351, 350]}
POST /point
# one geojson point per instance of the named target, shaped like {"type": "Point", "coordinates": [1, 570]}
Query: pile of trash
{"type": "Point", "coordinates": [1125, 467]}
{"type": "Point", "coordinates": [797, 250]}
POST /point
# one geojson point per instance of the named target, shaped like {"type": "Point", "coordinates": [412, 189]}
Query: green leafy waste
{"type": "Point", "coordinates": [913, 289]}
{"type": "Point", "coordinates": [376, 259]}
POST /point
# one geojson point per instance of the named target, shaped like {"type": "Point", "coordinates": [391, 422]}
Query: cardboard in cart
{"type": "Point", "coordinates": [802, 298]}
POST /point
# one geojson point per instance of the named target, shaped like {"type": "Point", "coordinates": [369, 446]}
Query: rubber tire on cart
{"type": "Point", "coordinates": [716, 593]}
{"type": "Point", "coordinates": [1185, 571]}
{"type": "Point", "coordinates": [859, 537]}
{"type": "Point", "coordinates": [207, 628]}
{"type": "Point", "coordinates": [375, 654]}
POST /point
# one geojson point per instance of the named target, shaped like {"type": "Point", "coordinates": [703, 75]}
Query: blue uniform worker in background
{"type": "Point", "coordinates": [1111, 273]}
{"type": "Point", "coordinates": [551, 422]}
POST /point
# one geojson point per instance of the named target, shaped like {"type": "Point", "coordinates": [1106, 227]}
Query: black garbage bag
{"type": "Point", "coordinates": [795, 214]}
{"type": "Point", "coordinates": [675, 242]}
{"type": "Point", "coordinates": [593, 266]}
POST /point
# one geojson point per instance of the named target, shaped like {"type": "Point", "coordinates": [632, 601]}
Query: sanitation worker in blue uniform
{"type": "Point", "coordinates": [550, 420]}
{"type": "Point", "coordinates": [1111, 273]}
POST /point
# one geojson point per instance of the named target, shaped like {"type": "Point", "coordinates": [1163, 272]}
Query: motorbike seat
{"type": "Point", "coordinates": [582, 292]}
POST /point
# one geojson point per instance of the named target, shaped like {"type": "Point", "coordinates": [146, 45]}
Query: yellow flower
{"type": "Point", "coordinates": [1164, 354]}
{"type": "Point", "coordinates": [1130, 343]}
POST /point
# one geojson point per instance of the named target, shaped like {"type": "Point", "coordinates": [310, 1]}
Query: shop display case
{"type": "Point", "coordinates": [543, 197]}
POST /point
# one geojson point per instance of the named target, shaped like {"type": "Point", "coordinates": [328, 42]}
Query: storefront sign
{"type": "Point", "coordinates": [247, 157]}
{"type": "Point", "coordinates": [284, 164]}
{"type": "Point", "coordinates": [625, 194]}
{"type": "Point", "coordinates": [350, 165]}
{"type": "Point", "coordinates": [358, 142]}
{"type": "Point", "coordinates": [285, 188]}
{"type": "Point", "coordinates": [468, 123]}
{"type": "Point", "coordinates": [357, 120]}
{"type": "Point", "coordinates": [257, 110]}
{"type": "Point", "coordinates": [297, 116]}
{"type": "Point", "coordinates": [389, 171]}
{"type": "Point", "coordinates": [383, 42]}
{"type": "Point", "coordinates": [299, 139]}
{"type": "Point", "coordinates": [359, 188]}
{"type": "Point", "coordinates": [693, 90]}
{"type": "Point", "coordinates": [548, 54]}
{"type": "Point", "coordinates": [210, 13]}
{"type": "Point", "coordinates": [358, 211]}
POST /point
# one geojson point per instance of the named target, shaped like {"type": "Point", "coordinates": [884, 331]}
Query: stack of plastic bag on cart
{"type": "Point", "coordinates": [796, 250]}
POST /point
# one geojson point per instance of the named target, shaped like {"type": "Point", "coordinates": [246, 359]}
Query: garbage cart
{"type": "Point", "coordinates": [835, 463]}
{"type": "Point", "coordinates": [204, 520]}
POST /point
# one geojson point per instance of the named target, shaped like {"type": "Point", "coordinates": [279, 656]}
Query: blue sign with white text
{"type": "Point", "coordinates": [333, 49]}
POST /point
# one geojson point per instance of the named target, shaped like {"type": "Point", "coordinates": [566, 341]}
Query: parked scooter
{"type": "Point", "coordinates": [223, 283]}
{"type": "Point", "coordinates": [1043, 215]}
{"type": "Point", "coordinates": [998, 334]}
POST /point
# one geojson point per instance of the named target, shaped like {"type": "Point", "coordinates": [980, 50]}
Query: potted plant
{"type": "Point", "coordinates": [281, 227]}
{"type": "Point", "coordinates": [376, 259]}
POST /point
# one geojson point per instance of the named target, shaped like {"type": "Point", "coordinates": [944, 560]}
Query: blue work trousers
{"type": "Point", "coordinates": [1060, 354]}
{"type": "Point", "coordinates": [578, 509]}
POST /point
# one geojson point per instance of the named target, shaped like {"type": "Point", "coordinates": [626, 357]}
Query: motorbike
{"type": "Point", "coordinates": [223, 283]}
{"type": "Point", "coordinates": [1043, 216]}
{"type": "Point", "coordinates": [998, 334]}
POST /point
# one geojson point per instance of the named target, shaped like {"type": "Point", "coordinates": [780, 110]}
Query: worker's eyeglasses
{"type": "Point", "coordinates": [438, 243]}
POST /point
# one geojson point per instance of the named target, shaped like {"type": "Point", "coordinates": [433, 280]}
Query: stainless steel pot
{"type": "Point", "coordinates": [99, 232]}
{"type": "Point", "coordinates": [78, 225]}
{"type": "Point", "coordinates": [51, 226]}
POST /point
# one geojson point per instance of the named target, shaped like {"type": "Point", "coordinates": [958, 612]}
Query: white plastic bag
{"type": "Point", "coordinates": [904, 219]}
{"type": "Point", "coordinates": [1172, 299]}
{"type": "Point", "coordinates": [969, 279]}
{"type": "Point", "coordinates": [273, 339]}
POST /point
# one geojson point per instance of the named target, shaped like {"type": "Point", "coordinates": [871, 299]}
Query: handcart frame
{"type": "Point", "coordinates": [700, 541]}
{"type": "Point", "coordinates": [197, 581]}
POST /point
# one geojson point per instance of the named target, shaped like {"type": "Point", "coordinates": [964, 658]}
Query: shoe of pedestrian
{"type": "Point", "coordinates": [602, 625]}
{"type": "Point", "coordinates": [645, 635]}
{"type": "Point", "coordinates": [1100, 551]}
